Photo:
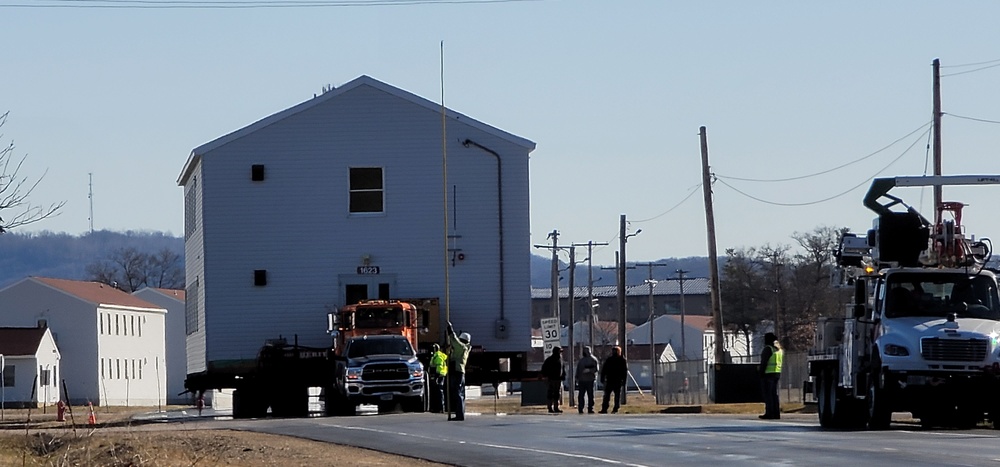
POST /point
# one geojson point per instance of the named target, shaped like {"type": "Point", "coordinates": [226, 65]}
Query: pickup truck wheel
{"type": "Point", "coordinates": [879, 414]}
{"type": "Point", "coordinates": [413, 404]}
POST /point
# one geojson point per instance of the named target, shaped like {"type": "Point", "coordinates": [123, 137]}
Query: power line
{"type": "Point", "coordinates": [238, 4]}
{"type": "Point", "coordinates": [692, 191]}
{"type": "Point", "coordinates": [971, 64]}
{"type": "Point", "coordinates": [972, 118]}
{"type": "Point", "coordinates": [775, 203]}
{"type": "Point", "coordinates": [971, 71]}
{"type": "Point", "coordinates": [828, 170]}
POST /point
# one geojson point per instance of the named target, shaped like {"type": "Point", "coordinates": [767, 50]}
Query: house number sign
{"type": "Point", "coordinates": [368, 270]}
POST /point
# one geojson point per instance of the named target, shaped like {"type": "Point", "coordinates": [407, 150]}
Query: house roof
{"type": "Point", "coordinates": [362, 80]}
{"type": "Point", "coordinates": [20, 341]}
{"type": "Point", "coordinates": [177, 294]}
{"type": "Point", "coordinates": [95, 292]}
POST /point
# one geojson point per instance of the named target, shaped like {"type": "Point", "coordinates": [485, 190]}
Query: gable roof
{"type": "Point", "coordinates": [363, 80]}
{"type": "Point", "coordinates": [20, 341]}
{"type": "Point", "coordinates": [95, 293]}
{"type": "Point", "coordinates": [176, 294]}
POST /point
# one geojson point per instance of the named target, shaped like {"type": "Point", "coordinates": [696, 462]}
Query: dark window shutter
{"type": "Point", "coordinates": [257, 172]}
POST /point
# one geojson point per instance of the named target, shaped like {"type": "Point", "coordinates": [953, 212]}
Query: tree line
{"type": "Point", "coordinates": [773, 287]}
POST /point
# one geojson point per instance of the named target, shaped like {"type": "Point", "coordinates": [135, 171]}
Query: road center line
{"type": "Point", "coordinates": [488, 445]}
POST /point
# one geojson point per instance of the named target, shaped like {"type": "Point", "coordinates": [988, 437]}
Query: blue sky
{"type": "Point", "coordinates": [613, 93]}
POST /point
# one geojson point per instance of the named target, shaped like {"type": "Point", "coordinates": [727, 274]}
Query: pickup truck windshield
{"type": "Point", "coordinates": [368, 347]}
{"type": "Point", "coordinates": [940, 294]}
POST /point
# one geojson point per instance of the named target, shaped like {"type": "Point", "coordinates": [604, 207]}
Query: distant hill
{"type": "Point", "coordinates": [66, 256]}
{"type": "Point", "coordinates": [541, 271]}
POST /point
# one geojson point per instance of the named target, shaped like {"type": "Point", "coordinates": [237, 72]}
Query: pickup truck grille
{"type": "Point", "coordinates": [385, 372]}
{"type": "Point", "coordinates": [954, 350]}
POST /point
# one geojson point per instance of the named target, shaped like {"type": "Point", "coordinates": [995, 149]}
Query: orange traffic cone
{"type": "Point", "coordinates": [92, 418]}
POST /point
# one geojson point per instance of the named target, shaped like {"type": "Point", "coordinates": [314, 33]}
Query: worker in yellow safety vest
{"type": "Point", "coordinates": [438, 371]}
{"type": "Point", "coordinates": [770, 372]}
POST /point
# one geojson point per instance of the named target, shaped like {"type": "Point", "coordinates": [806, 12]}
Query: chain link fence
{"type": "Point", "coordinates": [687, 382]}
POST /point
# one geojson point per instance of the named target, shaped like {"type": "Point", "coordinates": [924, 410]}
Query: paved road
{"type": "Point", "coordinates": [638, 440]}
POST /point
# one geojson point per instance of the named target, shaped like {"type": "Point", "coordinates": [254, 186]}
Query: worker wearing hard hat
{"type": "Point", "coordinates": [458, 356]}
{"type": "Point", "coordinates": [438, 371]}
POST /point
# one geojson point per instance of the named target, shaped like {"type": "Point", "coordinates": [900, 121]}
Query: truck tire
{"type": "Point", "coordinates": [413, 404]}
{"type": "Point", "coordinates": [879, 413]}
{"type": "Point", "coordinates": [823, 402]}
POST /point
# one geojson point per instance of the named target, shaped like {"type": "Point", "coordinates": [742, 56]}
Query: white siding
{"type": "Point", "coordinates": [131, 358]}
{"type": "Point", "coordinates": [295, 224]}
{"type": "Point", "coordinates": [176, 354]}
{"type": "Point", "coordinates": [194, 269]}
{"type": "Point", "coordinates": [73, 324]}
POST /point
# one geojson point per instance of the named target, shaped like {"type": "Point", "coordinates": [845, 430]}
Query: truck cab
{"type": "Point", "coordinates": [935, 345]}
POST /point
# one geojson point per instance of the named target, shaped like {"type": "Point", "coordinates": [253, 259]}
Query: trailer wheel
{"type": "Point", "coordinates": [338, 405]}
{"type": "Point", "coordinates": [248, 402]}
{"type": "Point", "coordinates": [879, 413]}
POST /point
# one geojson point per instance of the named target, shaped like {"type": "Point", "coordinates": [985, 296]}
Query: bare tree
{"type": "Point", "coordinates": [15, 190]}
{"type": "Point", "coordinates": [129, 269]}
{"type": "Point", "coordinates": [165, 270]}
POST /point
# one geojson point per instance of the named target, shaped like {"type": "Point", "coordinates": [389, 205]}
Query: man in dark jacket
{"type": "Point", "coordinates": [586, 374]}
{"type": "Point", "coordinates": [613, 374]}
{"type": "Point", "coordinates": [554, 373]}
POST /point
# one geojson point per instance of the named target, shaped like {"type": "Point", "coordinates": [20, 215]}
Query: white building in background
{"type": "Point", "coordinates": [30, 367]}
{"type": "Point", "coordinates": [172, 300]}
{"type": "Point", "coordinates": [112, 343]}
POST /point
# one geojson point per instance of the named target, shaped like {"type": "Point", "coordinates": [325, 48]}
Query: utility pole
{"type": "Point", "coordinates": [937, 139]}
{"type": "Point", "coordinates": [555, 247]}
{"type": "Point", "coordinates": [572, 323]}
{"type": "Point", "coordinates": [680, 278]}
{"type": "Point", "coordinates": [652, 318]}
{"type": "Point", "coordinates": [590, 285]}
{"type": "Point", "coordinates": [713, 255]}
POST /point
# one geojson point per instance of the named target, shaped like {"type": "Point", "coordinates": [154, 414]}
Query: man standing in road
{"type": "Point", "coordinates": [613, 375]}
{"type": "Point", "coordinates": [554, 373]}
{"type": "Point", "coordinates": [586, 374]}
{"type": "Point", "coordinates": [459, 355]}
{"type": "Point", "coordinates": [438, 371]}
{"type": "Point", "coordinates": [770, 372]}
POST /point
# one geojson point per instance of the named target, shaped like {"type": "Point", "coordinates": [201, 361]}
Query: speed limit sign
{"type": "Point", "coordinates": [550, 334]}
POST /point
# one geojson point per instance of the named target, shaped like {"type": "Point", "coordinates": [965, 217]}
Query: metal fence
{"type": "Point", "coordinates": [687, 382]}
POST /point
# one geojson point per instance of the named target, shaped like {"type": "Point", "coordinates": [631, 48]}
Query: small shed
{"type": "Point", "coordinates": [30, 367]}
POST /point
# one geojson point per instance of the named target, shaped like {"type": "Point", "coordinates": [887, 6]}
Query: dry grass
{"type": "Point", "coordinates": [116, 441]}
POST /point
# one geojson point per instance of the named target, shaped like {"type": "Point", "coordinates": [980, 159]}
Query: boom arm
{"type": "Point", "coordinates": [881, 186]}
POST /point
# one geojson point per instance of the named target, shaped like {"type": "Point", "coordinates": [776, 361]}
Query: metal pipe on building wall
{"type": "Point", "coordinates": [467, 143]}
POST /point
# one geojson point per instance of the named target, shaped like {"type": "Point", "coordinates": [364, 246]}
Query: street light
{"type": "Point", "coordinates": [652, 343]}
{"type": "Point", "coordinates": [623, 236]}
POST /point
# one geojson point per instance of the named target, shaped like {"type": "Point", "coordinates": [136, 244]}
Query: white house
{"type": "Point", "coordinates": [112, 343]}
{"type": "Point", "coordinates": [30, 367]}
{"type": "Point", "coordinates": [171, 300]}
{"type": "Point", "coordinates": [686, 340]}
{"type": "Point", "coordinates": [342, 198]}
